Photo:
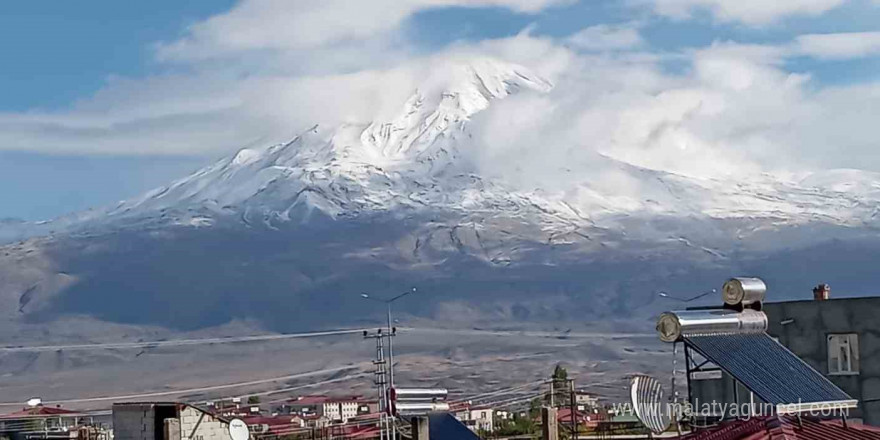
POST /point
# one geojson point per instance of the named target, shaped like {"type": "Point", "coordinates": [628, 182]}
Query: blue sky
{"type": "Point", "coordinates": [103, 100]}
{"type": "Point", "coordinates": [59, 52]}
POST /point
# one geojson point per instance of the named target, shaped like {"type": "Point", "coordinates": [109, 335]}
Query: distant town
{"type": "Point", "coordinates": [803, 368]}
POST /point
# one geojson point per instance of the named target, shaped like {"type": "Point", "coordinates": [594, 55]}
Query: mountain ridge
{"type": "Point", "coordinates": [400, 202]}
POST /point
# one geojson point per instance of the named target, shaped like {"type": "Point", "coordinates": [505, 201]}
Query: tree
{"type": "Point", "coordinates": [535, 407]}
{"type": "Point", "coordinates": [253, 400]}
{"type": "Point", "coordinates": [560, 386]}
{"type": "Point", "coordinates": [518, 425]}
{"type": "Point", "coordinates": [560, 373]}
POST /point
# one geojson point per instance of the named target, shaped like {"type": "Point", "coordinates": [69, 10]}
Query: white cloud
{"type": "Point", "coordinates": [256, 25]}
{"type": "Point", "coordinates": [735, 112]}
{"type": "Point", "coordinates": [607, 37]}
{"type": "Point", "coordinates": [733, 109]}
{"type": "Point", "coordinates": [751, 12]}
{"type": "Point", "coordinates": [839, 46]}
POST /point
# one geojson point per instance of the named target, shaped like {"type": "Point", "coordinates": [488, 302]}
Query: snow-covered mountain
{"type": "Point", "coordinates": [385, 203]}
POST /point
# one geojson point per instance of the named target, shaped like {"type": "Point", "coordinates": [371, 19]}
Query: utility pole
{"type": "Point", "coordinates": [391, 333]}
{"type": "Point", "coordinates": [549, 430]}
{"type": "Point", "coordinates": [573, 408]}
{"type": "Point", "coordinates": [380, 375]}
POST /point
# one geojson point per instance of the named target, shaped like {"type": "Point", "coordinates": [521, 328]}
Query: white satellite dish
{"type": "Point", "coordinates": [647, 401]}
{"type": "Point", "coordinates": [238, 430]}
{"type": "Point", "coordinates": [36, 401]}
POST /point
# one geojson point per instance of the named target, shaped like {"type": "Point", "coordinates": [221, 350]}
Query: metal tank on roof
{"type": "Point", "coordinates": [672, 326]}
{"type": "Point", "coordinates": [744, 291]}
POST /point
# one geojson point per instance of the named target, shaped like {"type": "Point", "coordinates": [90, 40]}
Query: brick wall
{"type": "Point", "coordinates": [197, 425]}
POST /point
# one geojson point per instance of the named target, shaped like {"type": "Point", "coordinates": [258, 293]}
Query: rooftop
{"type": "Point", "coordinates": [38, 411]}
{"type": "Point", "coordinates": [787, 428]}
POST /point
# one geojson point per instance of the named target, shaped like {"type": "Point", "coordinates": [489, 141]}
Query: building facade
{"type": "Point", "coordinates": [477, 418]}
{"type": "Point", "coordinates": [333, 409]}
{"type": "Point", "coordinates": [840, 338]}
{"type": "Point", "coordinates": [167, 421]}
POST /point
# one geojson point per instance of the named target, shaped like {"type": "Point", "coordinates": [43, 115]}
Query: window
{"type": "Point", "coordinates": [843, 354]}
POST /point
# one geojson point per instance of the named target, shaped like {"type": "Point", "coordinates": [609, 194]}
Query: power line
{"type": "Point", "coordinates": [324, 382]}
{"type": "Point", "coordinates": [283, 336]}
{"type": "Point", "coordinates": [191, 390]}
{"type": "Point", "coordinates": [175, 342]}
{"type": "Point", "coordinates": [501, 392]}
{"type": "Point", "coordinates": [512, 401]}
{"type": "Point", "coordinates": [529, 333]}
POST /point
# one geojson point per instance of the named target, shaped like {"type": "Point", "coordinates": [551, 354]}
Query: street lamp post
{"type": "Point", "coordinates": [388, 303]}
{"type": "Point", "coordinates": [668, 296]}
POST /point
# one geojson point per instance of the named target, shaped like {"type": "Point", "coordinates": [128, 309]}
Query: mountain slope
{"type": "Point", "coordinates": [289, 234]}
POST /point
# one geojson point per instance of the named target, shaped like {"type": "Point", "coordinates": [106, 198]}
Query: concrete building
{"type": "Point", "coordinates": [334, 409]}
{"type": "Point", "coordinates": [477, 418]}
{"type": "Point", "coordinates": [840, 338]}
{"type": "Point", "coordinates": [585, 401]}
{"type": "Point", "coordinates": [167, 421]}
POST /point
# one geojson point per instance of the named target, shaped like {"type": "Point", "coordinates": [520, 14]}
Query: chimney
{"type": "Point", "coordinates": [822, 292]}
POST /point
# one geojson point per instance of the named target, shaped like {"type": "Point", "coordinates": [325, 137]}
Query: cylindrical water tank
{"type": "Point", "coordinates": [421, 408]}
{"type": "Point", "coordinates": [743, 291]}
{"type": "Point", "coordinates": [418, 394]}
{"type": "Point", "coordinates": [672, 326]}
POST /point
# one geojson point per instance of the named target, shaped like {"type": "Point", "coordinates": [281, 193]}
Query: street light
{"type": "Point", "coordinates": [388, 302]}
{"type": "Point", "coordinates": [391, 330]}
{"type": "Point", "coordinates": [668, 296]}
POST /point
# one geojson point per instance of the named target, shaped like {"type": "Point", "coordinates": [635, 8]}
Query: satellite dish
{"type": "Point", "coordinates": [36, 401]}
{"type": "Point", "coordinates": [238, 430]}
{"type": "Point", "coordinates": [647, 401]}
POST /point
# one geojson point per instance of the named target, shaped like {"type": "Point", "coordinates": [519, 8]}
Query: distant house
{"type": "Point", "coordinates": [43, 422]}
{"type": "Point", "coordinates": [583, 419]}
{"type": "Point", "coordinates": [334, 409]}
{"type": "Point", "coordinates": [229, 407]}
{"type": "Point", "coordinates": [477, 418]}
{"type": "Point", "coordinates": [585, 401]}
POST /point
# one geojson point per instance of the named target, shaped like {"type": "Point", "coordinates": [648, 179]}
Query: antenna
{"type": "Point", "coordinates": [647, 401]}
{"type": "Point", "coordinates": [238, 430]}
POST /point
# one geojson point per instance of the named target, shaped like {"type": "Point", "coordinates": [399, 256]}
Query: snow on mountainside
{"type": "Point", "coordinates": [410, 161]}
{"type": "Point", "coordinates": [299, 226]}
{"type": "Point", "coordinates": [415, 163]}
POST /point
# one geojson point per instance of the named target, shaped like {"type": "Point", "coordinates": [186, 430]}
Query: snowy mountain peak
{"type": "Point", "coordinates": [354, 167]}
{"type": "Point", "coordinates": [425, 119]}
{"type": "Point", "coordinates": [412, 164]}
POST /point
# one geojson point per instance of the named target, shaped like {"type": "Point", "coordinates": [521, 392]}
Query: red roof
{"type": "Point", "coordinates": [563, 416]}
{"type": "Point", "coordinates": [787, 428]}
{"type": "Point", "coordinates": [271, 421]}
{"type": "Point", "coordinates": [364, 432]}
{"type": "Point", "coordinates": [37, 411]}
{"type": "Point", "coordinates": [309, 400]}
{"type": "Point", "coordinates": [367, 416]}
